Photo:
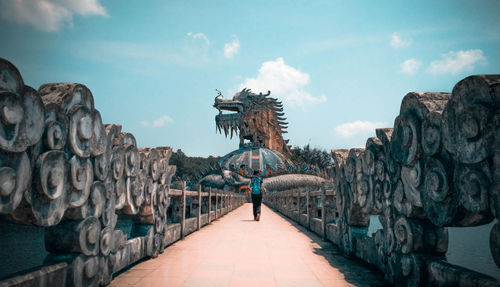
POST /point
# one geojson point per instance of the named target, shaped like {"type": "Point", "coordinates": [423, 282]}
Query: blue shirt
{"type": "Point", "coordinates": [255, 184]}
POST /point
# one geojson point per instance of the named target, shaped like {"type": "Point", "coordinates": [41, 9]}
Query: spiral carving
{"type": "Point", "coordinates": [109, 217]}
{"type": "Point", "coordinates": [81, 179]}
{"type": "Point", "coordinates": [364, 194]}
{"type": "Point", "coordinates": [135, 195]}
{"type": "Point", "coordinates": [144, 163]}
{"type": "Point", "coordinates": [403, 205]}
{"type": "Point", "coordinates": [439, 201]}
{"type": "Point", "coordinates": [106, 269]}
{"type": "Point", "coordinates": [106, 238]}
{"type": "Point", "coordinates": [120, 189]}
{"type": "Point", "coordinates": [21, 119]}
{"type": "Point", "coordinates": [89, 234]}
{"type": "Point", "coordinates": [411, 177]}
{"type": "Point", "coordinates": [378, 196]}
{"type": "Point", "coordinates": [84, 271]}
{"type": "Point", "coordinates": [94, 205]}
{"type": "Point", "coordinates": [98, 138]}
{"type": "Point", "coordinates": [50, 197]}
{"type": "Point", "coordinates": [119, 240]}
{"type": "Point", "coordinates": [473, 184]}
{"type": "Point", "coordinates": [153, 243]}
{"type": "Point", "coordinates": [80, 130]}
{"type": "Point", "coordinates": [117, 171]}
{"type": "Point", "coordinates": [408, 234]}
{"type": "Point", "coordinates": [431, 134]}
{"type": "Point", "coordinates": [149, 190]}
{"type": "Point", "coordinates": [406, 141]}
{"type": "Point", "coordinates": [74, 236]}
{"type": "Point", "coordinates": [350, 165]}
{"type": "Point", "coordinates": [411, 265]}
{"type": "Point", "coordinates": [154, 161]}
{"type": "Point", "coordinates": [466, 122]}
{"type": "Point", "coordinates": [10, 78]}
{"type": "Point", "coordinates": [117, 162]}
{"type": "Point", "coordinates": [12, 113]}
{"type": "Point", "coordinates": [32, 125]}
{"type": "Point", "coordinates": [15, 175]}
{"type": "Point", "coordinates": [101, 166]}
{"type": "Point", "coordinates": [131, 161]}
{"type": "Point", "coordinates": [56, 127]}
{"type": "Point", "coordinates": [405, 144]}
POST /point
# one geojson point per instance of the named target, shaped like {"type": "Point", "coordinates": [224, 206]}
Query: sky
{"type": "Point", "coordinates": [341, 68]}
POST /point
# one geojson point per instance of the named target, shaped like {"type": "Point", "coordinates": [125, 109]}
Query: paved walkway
{"type": "Point", "coordinates": [237, 251]}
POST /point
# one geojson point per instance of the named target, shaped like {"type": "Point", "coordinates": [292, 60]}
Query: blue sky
{"type": "Point", "coordinates": [340, 67]}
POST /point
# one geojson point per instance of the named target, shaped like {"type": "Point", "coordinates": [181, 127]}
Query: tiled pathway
{"type": "Point", "coordinates": [237, 251]}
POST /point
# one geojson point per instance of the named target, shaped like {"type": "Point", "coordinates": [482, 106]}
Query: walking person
{"type": "Point", "coordinates": [256, 186]}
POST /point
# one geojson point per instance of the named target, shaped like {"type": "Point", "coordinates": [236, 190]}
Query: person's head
{"type": "Point", "coordinates": [256, 172]}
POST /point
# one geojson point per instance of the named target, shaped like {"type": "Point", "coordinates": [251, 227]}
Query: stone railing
{"type": "Point", "coordinates": [79, 201]}
{"type": "Point", "coordinates": [438, 168]}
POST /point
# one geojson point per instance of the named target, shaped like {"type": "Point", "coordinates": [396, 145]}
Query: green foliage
{"type": "Point", "coordinates": [313, 157]}
{"type": "Point", "coordinates": [191, 168]}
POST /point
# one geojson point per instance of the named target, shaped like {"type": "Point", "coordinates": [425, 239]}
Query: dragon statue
{"type": "Point", "coordinates": [259, 120]}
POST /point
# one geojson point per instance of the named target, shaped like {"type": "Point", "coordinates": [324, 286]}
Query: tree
{"type": "Point", "coordinates": [313, 157]}
{"type": "Point", "coordinates": [191, 168]}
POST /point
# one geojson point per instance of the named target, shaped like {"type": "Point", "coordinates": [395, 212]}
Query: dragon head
{"type": "Point", "coordinates": [257, 118]}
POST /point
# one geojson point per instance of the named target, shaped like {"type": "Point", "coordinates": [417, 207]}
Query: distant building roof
{"type": "Point", "coordinates": [255, 158]}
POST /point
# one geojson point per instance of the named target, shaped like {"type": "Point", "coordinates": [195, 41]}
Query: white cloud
{"type": "Point", "coordinates": [349, 130]}
{"type": "Point", "coordinates": [48, 15]}
{"type": "Point", "coordinates": [231, 49]}
{"type": "Point", "coordinates": [284, 82]}
{"type": "Point", "coordinates": [410, 66]}
{"type": "Point", "coordinates": [159, 122]}
{"type": "Point", "coordinates": [398, 42]}
{"type": "Point", "coordinates": [199, 36]}
{"type": "Point", "coordinates": [456, 62]}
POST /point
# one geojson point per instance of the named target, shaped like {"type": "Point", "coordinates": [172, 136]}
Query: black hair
{"type": "Point", "coordinates": [255, 172]}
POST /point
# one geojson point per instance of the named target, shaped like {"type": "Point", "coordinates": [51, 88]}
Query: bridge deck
{"type": "Point", "coordinates": [237, 251]}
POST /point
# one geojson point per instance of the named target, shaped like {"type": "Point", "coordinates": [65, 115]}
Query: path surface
{"type": "Point", "coordinates": [237, 251]}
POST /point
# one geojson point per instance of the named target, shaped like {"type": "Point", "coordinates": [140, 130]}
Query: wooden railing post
{"type": "Point", "coordinates": [216, 203]}
{"type": "Point", "coordinates": [209, 204]}
{"type": "Point", "coordinates": [308, 209]}
{"type": "Point", "coordinates": [298, 202]}
{"type": "Point", "coordinates": [183, 216]}
{"type": "Point", "coordinates": [231, 201]}
{"type": "Point", "coordinates": [199, 207]}
{"type": "Point", "coordinates": [323, 209]}
{"type": "Point", "coordinates": [221, 202]}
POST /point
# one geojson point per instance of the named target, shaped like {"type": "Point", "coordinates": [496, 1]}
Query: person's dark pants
{"type": "Point", "coordinates": [256, 201]}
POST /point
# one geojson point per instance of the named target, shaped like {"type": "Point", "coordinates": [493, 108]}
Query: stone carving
{"type": "Point", "coordinates": [437, 168]}
{"type": "Point", "coordinates": [62, 169]}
